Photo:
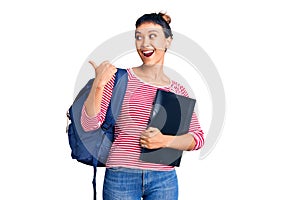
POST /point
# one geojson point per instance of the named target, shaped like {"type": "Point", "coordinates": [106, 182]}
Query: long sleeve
{"type": "Point", "coordinates": [197, 132]}
{"type": "Point", "coordinates": [195, 128]}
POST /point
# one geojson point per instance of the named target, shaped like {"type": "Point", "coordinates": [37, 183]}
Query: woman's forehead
{"type": "Point", "coordinates": [149, 27]}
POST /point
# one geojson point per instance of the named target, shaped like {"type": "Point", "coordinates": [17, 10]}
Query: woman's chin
{"type": "Point", "coordinates": [149, 63]}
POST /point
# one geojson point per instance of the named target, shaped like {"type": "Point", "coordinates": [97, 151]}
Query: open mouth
{"type": "Point", "coordinates": [148, 53]}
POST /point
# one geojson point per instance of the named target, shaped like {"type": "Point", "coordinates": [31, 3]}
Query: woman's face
{"type": "Point", "coordinates": [151, 43]}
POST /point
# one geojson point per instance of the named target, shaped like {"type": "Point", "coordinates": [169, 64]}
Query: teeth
{"type": "Point", "coordinates": [148, 51]}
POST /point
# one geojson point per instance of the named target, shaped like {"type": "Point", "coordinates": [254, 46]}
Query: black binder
{"type": "Point", "coordinates": [171, 114]}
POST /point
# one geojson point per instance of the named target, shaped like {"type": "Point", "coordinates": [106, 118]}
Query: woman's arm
{"type": "Point", "coordinates": [94, 99]}
{"type": "Point", "coordinates": [184, 142]}
{"type": "Point", "coordinates": [94, 109]}
{"type": "Point", "coordinates": [104, 72]}
{"type": "Point", "coordinates": [152, 138]}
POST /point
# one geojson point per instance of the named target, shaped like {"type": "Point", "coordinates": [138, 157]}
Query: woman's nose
{"type": "Point", "coordinates": [145, 42]}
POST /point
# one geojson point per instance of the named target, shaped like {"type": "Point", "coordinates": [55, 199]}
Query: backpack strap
{"type": "Point", "coordinates": [113, 110]}
{"type": "Point", "coordinates": [94, 181]}
{"type": "Point", "coordinates": [116, 101]}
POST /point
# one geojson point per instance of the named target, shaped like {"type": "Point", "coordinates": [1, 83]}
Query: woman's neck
{"type": "Point", "coordinates": [153, 74]}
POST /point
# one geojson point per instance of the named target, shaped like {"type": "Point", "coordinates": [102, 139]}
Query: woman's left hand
{"type": "Point", "coordinates": [152, 138]}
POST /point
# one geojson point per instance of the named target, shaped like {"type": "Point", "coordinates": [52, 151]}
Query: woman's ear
{"type": "Point", "coordinates": [168, 43]}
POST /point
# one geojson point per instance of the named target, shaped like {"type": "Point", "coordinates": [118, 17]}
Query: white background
{"type": "Point", "coordinates": [254, 45]}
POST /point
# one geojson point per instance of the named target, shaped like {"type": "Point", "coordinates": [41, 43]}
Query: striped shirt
{"type": "Point", "coordinates": [133, 119]}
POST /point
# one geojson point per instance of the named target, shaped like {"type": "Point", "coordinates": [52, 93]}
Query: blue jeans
{"type": "Point", "coordinates": [135, 184]}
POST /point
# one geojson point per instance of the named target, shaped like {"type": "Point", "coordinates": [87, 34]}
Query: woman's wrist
{"type": "Point", "coordinates": [183, 142]}
{"type": "Point", "coordinates": [168, 140]}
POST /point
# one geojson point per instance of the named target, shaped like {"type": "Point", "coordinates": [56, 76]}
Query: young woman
{"type": "Point", "coordinates": [126, 176]}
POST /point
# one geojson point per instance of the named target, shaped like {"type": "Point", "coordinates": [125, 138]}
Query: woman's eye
{"type": "Point", "coordinates": [138, 37]}
{"type": "Point", "coordinates": [151, 36]}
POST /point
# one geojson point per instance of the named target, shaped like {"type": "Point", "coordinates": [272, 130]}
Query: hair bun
{"type": "Point", "coordinates": [166, 17]}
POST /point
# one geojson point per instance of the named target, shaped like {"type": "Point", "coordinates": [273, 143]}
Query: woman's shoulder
{"type": "Point", "coordinates": [129, 71]}
{"type": "Point", "coordinates": [178, 88]}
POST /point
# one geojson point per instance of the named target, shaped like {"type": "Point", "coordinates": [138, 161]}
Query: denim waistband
{"type": "Point", "coordinates": [136, 170]}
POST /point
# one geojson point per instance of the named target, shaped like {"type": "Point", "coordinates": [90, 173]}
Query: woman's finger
{"type": "Point", "coordinates": [152, 129]}
{"type": "Point", "coordinates": [145, 134]}
{"type": "Point", "coordinates": [93, 64]}
{"type": "Point", "coordinates": [142, 142]}
{"type": "Point", "coordinates": [143, 137]}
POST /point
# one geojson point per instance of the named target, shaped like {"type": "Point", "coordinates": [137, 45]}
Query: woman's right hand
{"type": "Point", "coordinates": [103, 72]}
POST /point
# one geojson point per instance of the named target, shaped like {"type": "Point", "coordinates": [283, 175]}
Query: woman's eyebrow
{"type": "Point", "coordinates": [150, 31]}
